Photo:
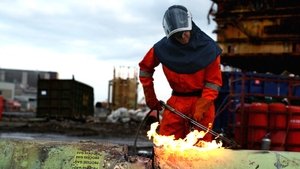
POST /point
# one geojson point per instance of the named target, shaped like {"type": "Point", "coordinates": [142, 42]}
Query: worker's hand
{"type": "Point", "coordinates": [202, 105]}
{"type": "Point", "coordinates": [151, 99]}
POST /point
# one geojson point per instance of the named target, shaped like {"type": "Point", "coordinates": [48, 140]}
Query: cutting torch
{"type": "Point", "coordinates": [217, 135]}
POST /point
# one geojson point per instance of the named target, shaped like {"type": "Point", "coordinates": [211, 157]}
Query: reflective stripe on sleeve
{"type": "Point", "coordinates": [213, 86]}
{"type": "Point", "coordinates": [145, 74]}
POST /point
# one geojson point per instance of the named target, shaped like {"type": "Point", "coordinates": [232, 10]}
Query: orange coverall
{"type": "Point", "coordinates": [206, 79]}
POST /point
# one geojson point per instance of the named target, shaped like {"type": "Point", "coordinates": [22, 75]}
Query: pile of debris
{"type": "Point", "coordinates": [124, 115]}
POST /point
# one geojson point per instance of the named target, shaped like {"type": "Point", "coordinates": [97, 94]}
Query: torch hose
{"type": "Point", "coordinates": [217, 135]}
{"type": "Point", "coordinates": [138, 130]}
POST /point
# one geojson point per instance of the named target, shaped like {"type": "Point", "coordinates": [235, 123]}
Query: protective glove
{"type": "Point", "coordinates": [202, 105]}
{"type": "Point", "coordinates": [151, 99]}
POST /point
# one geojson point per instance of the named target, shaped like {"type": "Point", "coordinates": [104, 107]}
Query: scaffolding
{"type": "Point", "coordinates": [122, 89]}
{"type": "Point", "coordinates": [261, 35]}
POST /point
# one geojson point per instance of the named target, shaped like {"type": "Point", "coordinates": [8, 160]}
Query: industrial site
{"type": "Point", "coordinates": [49, 122]}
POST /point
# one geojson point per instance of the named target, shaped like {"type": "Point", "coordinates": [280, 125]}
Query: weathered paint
{"type": "Point", "coordinates": [28, 154]}
{"type": "Point", "coordinates": [226, 159]}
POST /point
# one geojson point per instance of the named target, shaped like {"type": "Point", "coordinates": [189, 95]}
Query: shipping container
{"type": "Point", "coordinates": [64, 98]}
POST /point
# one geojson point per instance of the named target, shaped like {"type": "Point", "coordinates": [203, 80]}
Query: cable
{"type": "Point", "coordinates": [139, 128]}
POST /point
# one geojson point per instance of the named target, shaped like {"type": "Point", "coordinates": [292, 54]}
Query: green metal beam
{"type": "Point", "coordinates": [40, 154]}
{"type": "Point", "coordinates": [29, 154]}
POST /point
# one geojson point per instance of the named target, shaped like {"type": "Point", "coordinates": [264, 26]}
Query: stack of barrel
{"type": "Point", "coordinates": [276, 121]}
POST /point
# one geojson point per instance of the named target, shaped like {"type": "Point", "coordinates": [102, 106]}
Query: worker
{"type": "Point", "coordinates": [191, 63]}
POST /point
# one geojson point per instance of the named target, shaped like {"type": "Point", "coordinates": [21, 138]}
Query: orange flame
{"type": "Point", "coordinates": [188, 143]}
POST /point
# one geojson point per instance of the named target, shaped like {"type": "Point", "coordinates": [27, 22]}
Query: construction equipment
{"type": "Point", "coordinates": [217, 135]}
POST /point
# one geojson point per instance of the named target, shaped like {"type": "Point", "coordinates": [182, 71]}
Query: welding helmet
{"type": "Point", "coordinates": [176, 19]}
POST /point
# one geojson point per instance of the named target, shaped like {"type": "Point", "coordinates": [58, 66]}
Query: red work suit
{"type": "Point", "coordinates": [205, 79]}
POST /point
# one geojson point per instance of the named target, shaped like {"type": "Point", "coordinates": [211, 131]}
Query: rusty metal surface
{"type": "Point", "coordinates": [226, 159]}
{"type": "Point", "coordinates": [28, 154]}
{"type": "Point", "coordinates": [259, 29]}
{"type": "Point", "coordinates": [123, 88]}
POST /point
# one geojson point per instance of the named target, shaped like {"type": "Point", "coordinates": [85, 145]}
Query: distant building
{"type": "Point", "coordinates": [21, 85]}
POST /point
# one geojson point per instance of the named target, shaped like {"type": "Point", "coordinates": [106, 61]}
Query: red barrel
{"type": "Point", "coordinates": [257, 124]}
{"type": "Point", "coordinates": [255, 135]}
{"type": "Point", "coordinates": [258, 115]}
{"type": "Point", "coordinates": [278, 137]}
{"type": "Point", "coordinates": [1, 106]}
{"type": "Point", "coordinates": [293, 137]}
{"type": "Point", "coordinates": [278, 115]}
{"type": "Point", "coordinates": [294, 117]}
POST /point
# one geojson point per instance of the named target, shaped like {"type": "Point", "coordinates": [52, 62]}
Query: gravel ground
{"type": "Point", "coordinates": [65, 130]}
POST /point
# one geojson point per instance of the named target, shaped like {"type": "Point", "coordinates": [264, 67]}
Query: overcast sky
{"type": "Point", "coordinates": [87, 38]}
